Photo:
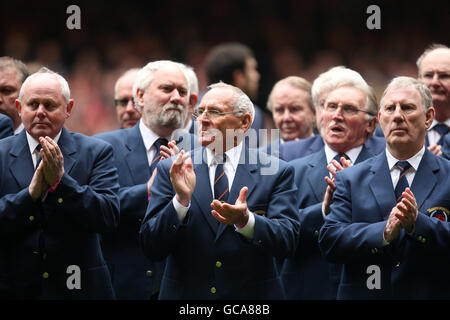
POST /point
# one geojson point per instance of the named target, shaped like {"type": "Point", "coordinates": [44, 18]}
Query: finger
{"type": "Point", "coordinates": [242, 195]}
{"type": "Point", "coordinates": [179, 159]}
{"type": "Point", "coordinates": [346, 163]}
{"type": "Point", "coordinates": [332, 170]}
{"type": "Point", "coordinates": [330, 183]}
{"type": "Point", "coordinates": [410, 196]}
{"type": "Point", "coordinates": [337, 165]}
{"type": "Point", "coordinates": [218, 217]}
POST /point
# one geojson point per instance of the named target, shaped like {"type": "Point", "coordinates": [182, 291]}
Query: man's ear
{"type": "Point", "coordinates": [19, 107]}
{"type": "Point", "coordinates": [140, 98]}
{"type": "Point", "coordinates": [429, 114]}
{"type": "Point", "coordinates": [246, 121]}
{"type": "Point", "coordinates": [69, 108]}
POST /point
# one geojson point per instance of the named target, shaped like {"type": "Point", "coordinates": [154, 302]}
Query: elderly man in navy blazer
{"type": "Point", "coordinates": [51, 217]}
{"type": "Point", "coordinates": [6, 126]}
{"type": "Point", "coordinates": [389, 217]}
{"type": "Point", "coordinates": [222, 213]}
{"type": "Point", "coordinates": [162, 95]}
{"type": "Point", "coordinates": [321, 86]}
{"type": "Point", "coordinates": [348, 121]}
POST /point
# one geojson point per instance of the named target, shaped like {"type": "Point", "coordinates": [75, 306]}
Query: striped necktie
{"type": "Point", "coordinates": [402, 181]}
{"type": "Point", "coordinates": [221, 189]}
{"type": "Point", "coordinates": [157, 157]}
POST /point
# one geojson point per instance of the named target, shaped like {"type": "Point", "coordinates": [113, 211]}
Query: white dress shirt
{"type": "Point", "coordinates": [33, 143]}
{"type": "Point", "coordinates": [433, 135]}
{"type": "Point", "coordinates": [230, 167]}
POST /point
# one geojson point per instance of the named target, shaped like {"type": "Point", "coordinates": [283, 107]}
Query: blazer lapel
{"type": "Point", "coordinates": [68, 148]}
{"type": "Point", "coordinates": [425, 176]}
{"type": "Point", "coordinates": [20, 162]}
{"type": "Point", "coordinates": [317, 174]}
{"type": "Point", "coordinates": [381, 185]}
{"type": "Point", "coordinates": [138, 166]}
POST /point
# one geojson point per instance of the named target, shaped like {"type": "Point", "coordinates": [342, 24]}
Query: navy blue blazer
{"type": "Point", "coordinates": [291, 150]}
{"type": "Point", "coordinates": [6, 126]}
{"type": "Point", "coordinates": [446, 147]}
{"type": "Point", "coordinates": [133, 274]}
{"type": "Point", "coordinates": [308, 275]}
{"type": "Point", "coordinates": [40, 240]}
{"type": "Point", "coordinates": [208, 260]}
{"type": "Point", "coordinates": [411, 267]}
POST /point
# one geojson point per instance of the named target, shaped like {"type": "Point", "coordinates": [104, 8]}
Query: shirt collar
{"type": "Point", "coordinates": [414, 161]}
{"type": "Point", "coordinates": [352, 153]}
{"type": "Point", "coordinates": [148, 135]}
{"type": "Point", "coordinates": [434, 123]}
{"type": "Point", "coordinates": [32, 142]}
{"type": "Point", "coordinates": [19, 128]}
{"type": "Point", "coordinates": [233, 154]}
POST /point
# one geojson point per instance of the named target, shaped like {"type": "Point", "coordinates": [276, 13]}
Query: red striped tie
{"type": "Point", "coordinates": [402, 181]}
{"type": "Point", "coordinates": [221, 189]}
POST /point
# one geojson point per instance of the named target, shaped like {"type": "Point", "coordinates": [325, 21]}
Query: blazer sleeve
{"type": "Point", "coordinates": [94, 205]}
{"type": "Point", "coordinates": [278, 232]}
{"type": "Point", "coordinates": [343, 240]}
{"type": "Point", "coordinates": [6, 127]}
{"type": "Point", "coordinates": [159, 229]}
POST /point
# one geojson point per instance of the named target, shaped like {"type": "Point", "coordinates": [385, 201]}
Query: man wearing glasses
{"type": "Point", "coordinates": [348, 121]}
{"type": "Point", "coordinates": [388, 224]}
{"type": "Point", "coordinates": [216, 215]}
{"type": "Point", "coordinates": [127, 115]}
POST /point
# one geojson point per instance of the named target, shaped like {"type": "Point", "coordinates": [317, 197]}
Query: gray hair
{"type": "Point", "coordinates": [430, 48]}
{"type": "Point", "coordinates": [65, 90]}
{"type": "Point", "coordinates": [402, 82]}
{"type": "Point", "coordinates": [330, 79]}
{"type": "Point", "coordinates": [296, 82]}
{"type": "Point", "coordinates": [241, 103]}
{"type": "Point", "coordinates": [145, 76]}
{"type": "Point", "coordinates": [9, 62]}
{"type": "Point", "coordinates": [192, 78]}
{"type": "Point", "coordinates": [125, 74]}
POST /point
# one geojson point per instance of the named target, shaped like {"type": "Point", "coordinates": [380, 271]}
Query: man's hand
{"type": "Point", "coordinates": [236, 214]}
{"type": "Point", "coordinates": [393, 226]}
{"type": "Point", "coordinates": [436, 149]}
{"type": "Point", "coordinates": [171, 150]}
{"type": "Point", "coordinates": [407, 211]}
{"type": "Point", "coordinates": [38, 185]}
{"type": "Point", "coordinates": [183, 178]}
{"type": "Point", "coordinates": [328, 197]}
{"type": "Point", "coordinates": [52, 159]}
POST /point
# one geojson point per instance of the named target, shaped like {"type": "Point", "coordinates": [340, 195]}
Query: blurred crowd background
{"type": "Point", "coordinates": [294, 37]}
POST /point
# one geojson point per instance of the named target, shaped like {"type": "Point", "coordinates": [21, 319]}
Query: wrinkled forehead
{"type": "Point", "coordinates": [170, 74]}
{"type": "Point", "coordinates": [42, 84]}
{"type": "Point", "coordinates": [218, 97]}
{"type": "Point", "coordinates": [346, 95]}
{"type": "Point", "coordinates": [437, 60]}
{"type": "Point", "coordinates": [406, 94]}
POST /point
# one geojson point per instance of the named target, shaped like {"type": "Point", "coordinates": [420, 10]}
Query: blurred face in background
{"type": "Point", "coordinates": [127, 115]}
{"type": "Point", "coordinates": [292, 112]}
{"type": "Point", "coordinates": [435, 74]}
{"type": "Point", "coordinates": [9, 91]}
{"type": "Point", "coordinates": [252, 77]}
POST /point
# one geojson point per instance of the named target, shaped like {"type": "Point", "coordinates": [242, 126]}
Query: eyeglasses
{"type": "Point", "coordinates": [212, 114]}
{"type": "Point", "coordinates": [122, 102]}
{"type": "Point", "coordinates": [347, 110]}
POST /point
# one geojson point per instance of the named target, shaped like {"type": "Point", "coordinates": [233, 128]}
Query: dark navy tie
{"type": "Point", "coordinates": [402, 181]}
{"type": "Point", "coordinates": [442, 129]}
{"type": "Point", "coordinates": [157, 157]}
{"type": "Point", "coordinates": [339, 155]}
{"type": "Point", "coordinates": [221, 189]}
{"type": "Point", "coordinates": [38, 155]}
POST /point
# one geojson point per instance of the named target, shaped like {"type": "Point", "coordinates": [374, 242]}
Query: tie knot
{"type": "Point", "coordinates": [339, 155]}
{"type": "Point", "coordinates": [161, 141]}
{"type": "Point", "coordinates": [441, 128]}
{"type": "Point", "coordinates": [402, 165]}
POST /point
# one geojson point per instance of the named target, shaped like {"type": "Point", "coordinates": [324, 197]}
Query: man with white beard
{"type": "Point", "coordinates": [161, 94]}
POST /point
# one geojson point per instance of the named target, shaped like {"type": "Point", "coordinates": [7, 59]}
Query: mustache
{"type": "Point", "coordinates": [173, 106]}
{"type": "Point", "coordinates": [337, 124]}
